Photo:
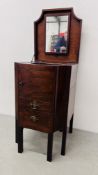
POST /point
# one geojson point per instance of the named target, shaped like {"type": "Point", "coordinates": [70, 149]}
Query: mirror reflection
{"type": "Point", "coordinates": [57, 34]}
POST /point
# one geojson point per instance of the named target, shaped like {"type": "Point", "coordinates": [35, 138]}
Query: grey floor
{"type": "Point", "coordinates": [81, 154]}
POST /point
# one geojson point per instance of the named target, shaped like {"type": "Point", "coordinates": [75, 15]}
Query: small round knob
{"type": "Point", "coordinates": [21, 83]}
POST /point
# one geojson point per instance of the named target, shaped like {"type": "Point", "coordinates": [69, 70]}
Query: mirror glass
{"type": "Point", "coordinates": [57, 34]}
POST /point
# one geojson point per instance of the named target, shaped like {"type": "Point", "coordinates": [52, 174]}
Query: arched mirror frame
{"type": "Point", "coordinates": [74, 35]}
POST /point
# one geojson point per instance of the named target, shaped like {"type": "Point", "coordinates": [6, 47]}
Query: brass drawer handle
{"type": "Point", "coordinates": [34, 118]}
{"type": "Point", "coordinates": [34, 105]}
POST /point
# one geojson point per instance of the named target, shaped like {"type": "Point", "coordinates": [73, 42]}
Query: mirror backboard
{"type": "Point", "coordinates": [57, 36]}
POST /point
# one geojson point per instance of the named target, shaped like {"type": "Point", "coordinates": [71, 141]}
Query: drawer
{"type": "Point", "coordinates": [37, 104]}
{"type": "Point", "coordinates": [42, 121]}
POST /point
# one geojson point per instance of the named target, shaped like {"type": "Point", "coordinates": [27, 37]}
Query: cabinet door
{"type": "Point", "coordinates": [36, 79]}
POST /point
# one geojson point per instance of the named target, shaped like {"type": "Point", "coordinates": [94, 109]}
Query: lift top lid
{"type": "Point", "coordinates": [52, 26]}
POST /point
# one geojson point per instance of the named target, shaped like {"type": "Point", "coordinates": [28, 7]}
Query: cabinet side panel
{"type": "Point", "coordinates": [72, 92]}
{"type": "Point", "coordinates": [63, 95]}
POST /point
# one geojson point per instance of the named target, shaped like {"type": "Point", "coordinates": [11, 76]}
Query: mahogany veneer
{"type": "Point", "coordinates": [45, 87]}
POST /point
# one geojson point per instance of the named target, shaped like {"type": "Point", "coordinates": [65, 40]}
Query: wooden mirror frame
{"type": "Point", "coordinates": [74, 38]}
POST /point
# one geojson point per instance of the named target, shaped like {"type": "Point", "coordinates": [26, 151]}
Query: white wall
{"type": "Point", "coordinates": [16, 44]}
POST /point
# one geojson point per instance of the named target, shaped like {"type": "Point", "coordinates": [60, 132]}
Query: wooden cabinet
{"type": "Point", "coordinates": [42, 93]}
{"type": "Point", "coordinates": [45, 88]}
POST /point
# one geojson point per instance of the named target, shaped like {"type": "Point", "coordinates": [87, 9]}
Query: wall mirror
{"type": "Point", "coordinates": [57, 34]}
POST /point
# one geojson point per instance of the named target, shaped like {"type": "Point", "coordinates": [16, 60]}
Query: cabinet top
{"type": "Point", "coordinates": [57, 36]}
{"type": "Point", "coordinates": [46, 63]}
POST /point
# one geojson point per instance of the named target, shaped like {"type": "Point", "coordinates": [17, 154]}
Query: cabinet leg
{"type": "Point", "coordinates": [63, 147]}
{"type": "Point", "coordinates": [20, 139]}
{"type": "Point", "coordinates": [49, 147]}
{"type": "Point", "coordinates": [71, 125]}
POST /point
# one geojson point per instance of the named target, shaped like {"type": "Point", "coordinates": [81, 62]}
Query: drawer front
{"type": "Point", "coordinates": [36, 104]}
{"type": "Point", "coordinates": [42, 121]}
{"type": "Point", "coordinates": [36, 114]}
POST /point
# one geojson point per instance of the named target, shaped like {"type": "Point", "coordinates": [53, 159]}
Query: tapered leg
{"type": "Point", "coordinates": [49, 147]}
{"type": "Point", "coordinates": [63, 147]}
{"type": "Point", "coordinates": [20, 139]}
{"type": "Point", "coordinates": [71, 125]}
